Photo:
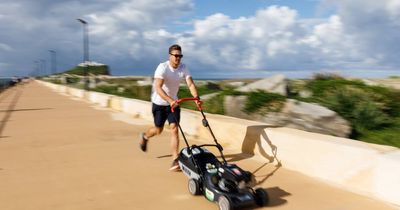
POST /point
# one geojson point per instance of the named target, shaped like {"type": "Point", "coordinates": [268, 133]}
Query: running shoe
{"type": "Point", "coordinates": [143, 142]}
{"type": "Point", "coordinates": [175, 166]}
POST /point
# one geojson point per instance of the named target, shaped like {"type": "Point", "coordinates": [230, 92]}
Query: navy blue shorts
{"type": "Point", "coordinates": [162, 113]}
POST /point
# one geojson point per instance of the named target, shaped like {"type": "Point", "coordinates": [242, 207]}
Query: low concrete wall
{"type": "Point", "coordinates": [100, 99]}
{"type": "Point", "coordinates": [356, 166]}
{"type": "Point", "coordinates": [369, 169]}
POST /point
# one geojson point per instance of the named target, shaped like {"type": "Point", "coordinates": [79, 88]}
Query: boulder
{"type": "Point", "coordinates": [295, 114]}
{"type": "Point", "coordinates": [233, 106]}
{"type": "Point", "coordinates": [275, 84]}
{"type": "Point", "coordinates": [145, 82]}
{"type": "Point", "coordinates": [236, 84]}
{"type": "Point", "coordinates": [315, 118]}
{"type": "Point", "coordinates": [208, 96]}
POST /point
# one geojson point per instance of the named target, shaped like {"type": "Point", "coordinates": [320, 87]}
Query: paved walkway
{"type": "Point", "coordinates": [60, 153]}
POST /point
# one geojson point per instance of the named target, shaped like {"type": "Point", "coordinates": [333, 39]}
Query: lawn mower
{"type": "Point", "coordinates": [219, 181]}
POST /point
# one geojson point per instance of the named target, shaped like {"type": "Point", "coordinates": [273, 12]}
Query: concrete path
{"type": "Point", "coordinates": [60, 153]}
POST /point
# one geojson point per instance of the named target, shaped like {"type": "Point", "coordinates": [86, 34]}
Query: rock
{"type": "Point", "coordinates": [63, 80]}
{"type": "Point", "coordinates": [369, 82]}
{"type": "Point", "coordinates": [213, 86]}
{"type": "Point", "coordinates": [92, 82]}
{"type": "Point", "coordinates": [236, 84]}
{"type": "Point", "coordinates": [145, 82]}
{"type": "Point", "coordinates": [208, 96]}
{"type": "Point", "coordinates": [316, 118]}
{"type": "Point", "coordinates": [104, 83]}
{"type": "Point", "coordinates": [312, 111]}
{"type": "Point", "coordinates": [120, 89]}
{"type": "Point", "coordinates": [295, 114]}
{"type": "Point", "coordinates": [233, 106]}
{"type": "Point", "coordinates": [275, 84]}
{"type": "Point", "coordinates": [305, 93]}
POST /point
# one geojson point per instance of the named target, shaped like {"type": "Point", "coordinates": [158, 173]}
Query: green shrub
{"type": "Point", "coordinates": [371, 110]}
{"type": "Point", "coordinates": [209, 106]}
{"type": "Point", "coordinates": [387, 136]}
{"type": "Point", "coordinates": [327, 76]}
{"type": "Point", "coordinates": [72, 80]}
{"type": "Point", "coordinates": [261, 99]}
{"type": "Point", "coordinates": [138, 92]}
{"type": "Point", "coordinates": [96, 70]}
{"type": "Point", "coordinates": [184, 91]}
{"type": "Point", "coordinates": [215, 105]}
{"type": "Point", "coordinates": [107, 89]}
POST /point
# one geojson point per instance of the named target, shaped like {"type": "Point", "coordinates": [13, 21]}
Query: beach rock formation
{"type": "Point", "coordinates": [295, 114]}
{"type": "Point", "coordinates": [275, 84]}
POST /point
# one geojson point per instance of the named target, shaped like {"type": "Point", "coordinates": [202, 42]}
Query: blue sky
{"type": "Point", "coordinates": [220, 38]}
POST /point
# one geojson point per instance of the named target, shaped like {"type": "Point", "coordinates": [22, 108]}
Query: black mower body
{"type": "Point", "coordinates": [216, 179]}
{"type": "Point", "coordinates": [220, 182]}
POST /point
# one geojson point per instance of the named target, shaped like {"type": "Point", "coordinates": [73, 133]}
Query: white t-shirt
{"type": "Point", "coordinates": [172, 78]}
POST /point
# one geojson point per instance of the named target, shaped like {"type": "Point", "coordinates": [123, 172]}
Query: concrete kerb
{"type": "Point", "coordinates": [100, 99]}
{"type": "Point", "coordinates": [137, 108]}
{"type": "Point", "coordinates": [386, 177]}
{"type": "Point", "coordinates": [368, 169]}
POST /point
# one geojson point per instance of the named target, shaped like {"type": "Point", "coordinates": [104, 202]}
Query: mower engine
{"type": "Point", "coordinates": [233, 178]}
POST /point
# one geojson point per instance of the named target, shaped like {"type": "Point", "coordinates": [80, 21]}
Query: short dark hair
{"type": "Point", "coordinates": [174, 47]}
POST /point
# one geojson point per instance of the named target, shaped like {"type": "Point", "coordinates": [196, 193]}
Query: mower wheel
{"type": "Point", "coordinates": [224, 203]}
{"type": "Point", "coordinates": [261, 197]}
{"type": "Point", "coordinates": [194, 187]}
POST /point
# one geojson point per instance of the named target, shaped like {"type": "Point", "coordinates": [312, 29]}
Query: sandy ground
{"type": "Point", "coordinates": [59, 153]}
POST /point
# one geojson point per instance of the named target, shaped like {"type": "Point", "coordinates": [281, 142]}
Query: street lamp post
{"type": "Point", "coordinates": [43, 67]}
{"type": "Point", "coordinates": [85, 51]}
{"type": "Point", "coordinates": [37, 72]}
{"type": "Point", "coordinates": [53, 61]}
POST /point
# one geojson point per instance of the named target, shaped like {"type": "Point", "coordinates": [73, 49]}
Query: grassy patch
{"type": "Point", "coordinates": [263, 101]}
{"type": "Point", "coordinates": [96, 70]}
{"type": "Point", "coordinates": [184, 92]}
{"type": "Point", "coordinates": [373, 111]}
{"type": "Point", "coordinates": [138, 92]}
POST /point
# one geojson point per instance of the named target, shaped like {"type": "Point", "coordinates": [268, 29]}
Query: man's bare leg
{"type": "Point", "coordinates": [174, 141]}
{"type": "Point", "coordinates": [153, 131]}
{"type": "Point", "coordinates": [148, 134]}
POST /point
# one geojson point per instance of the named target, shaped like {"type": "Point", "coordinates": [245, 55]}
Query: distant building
{"type": "Point", "coordinates": [91, 63]}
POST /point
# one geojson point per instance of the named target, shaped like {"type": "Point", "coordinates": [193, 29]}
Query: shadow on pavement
{"type": "Point", "coordinates": [253, 138]}
{"type": "Point", "coordinates": [276, 196]}
{"type": "Point", "coordinates": [260, 179]}
{"type": "Point", "coordinates": [19, 110]}
{"type": "Point", "coordinates": [17, 93]}
{"type": "Point", "coordinates": [255, 135]}
{"type": "Point", "coordinates": [164, 156]}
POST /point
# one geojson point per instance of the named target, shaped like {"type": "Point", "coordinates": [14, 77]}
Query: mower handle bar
{"type": "Point", "coordinates": [218, 146]}
{"type": "Point", "coordinates": [188, 99]}
{"type": "Point", "coordinates": [205, 123]}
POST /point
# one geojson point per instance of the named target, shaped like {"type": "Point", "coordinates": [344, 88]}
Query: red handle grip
{"type": "Point", "coordinates": [188, 99]}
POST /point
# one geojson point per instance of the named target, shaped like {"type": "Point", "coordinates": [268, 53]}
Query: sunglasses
{"type": "Point", "coordinates": [177, 55]}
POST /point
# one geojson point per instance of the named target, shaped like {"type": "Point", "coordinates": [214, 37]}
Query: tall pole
{"type": "Point", "coordinates": [53, 56]}
{"type": "Point", "coordinates": [43, 67]}
{"type": "Point", "coordinates": [85, 52]}
{"type": "Point", "coordinates": [37, 72]}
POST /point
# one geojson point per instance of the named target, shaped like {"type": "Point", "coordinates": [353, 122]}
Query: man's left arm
{"type": "Point", "coordinates": [192, 87]}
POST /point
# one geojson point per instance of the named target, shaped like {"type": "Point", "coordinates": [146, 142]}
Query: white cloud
{"type": "Point", "coordinates": [135, 27]}
{"type": "Point", "coordinates": [132, 34]}
{"type": "Point", "coordinates": [275, 38]}
{"type": "Point", "coordinates": [117, 30]}
{"type": "Point", "coordinates": [375, 28]}
{"type": "Point", "coordinates": [393, 8]}
{"type": "Point", "coordinates": [5, 47]}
